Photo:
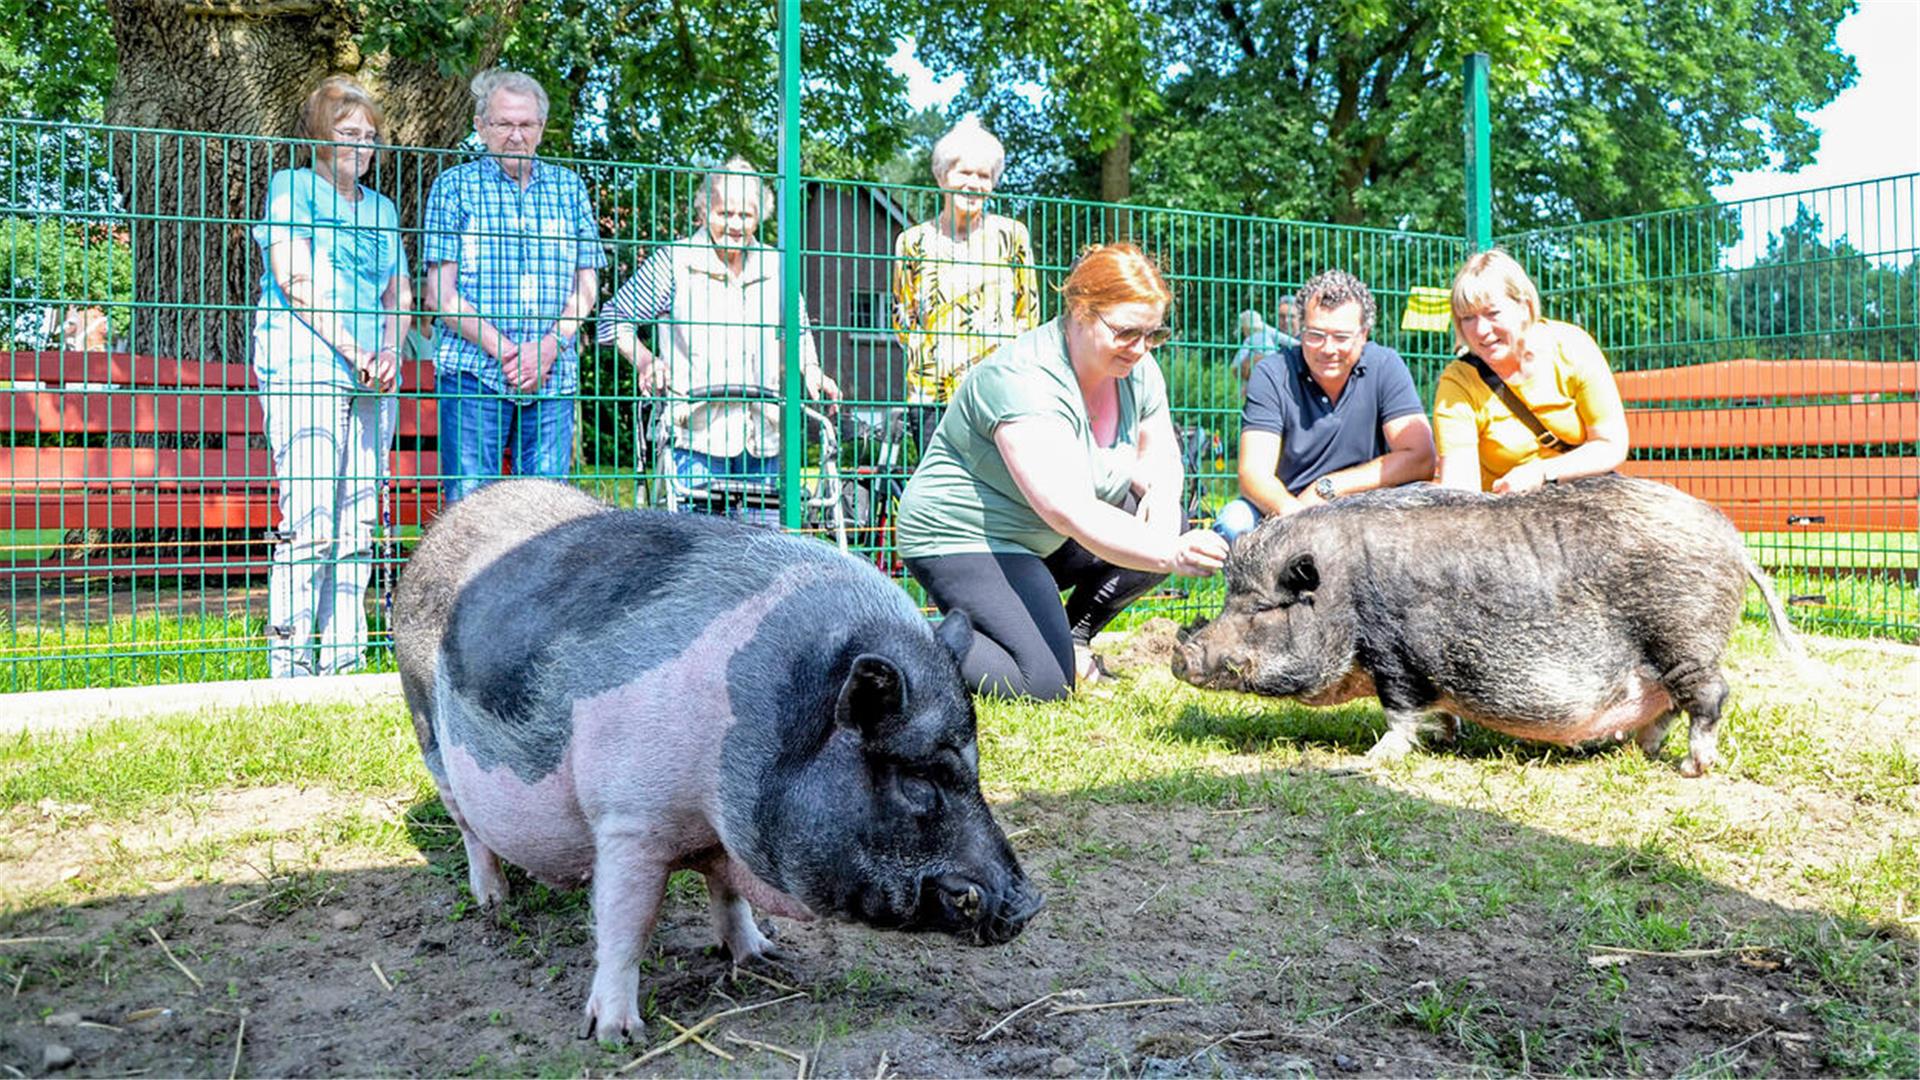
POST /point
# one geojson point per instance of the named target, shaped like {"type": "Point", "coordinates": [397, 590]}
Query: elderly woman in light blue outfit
{"type": "Point", "coordinates": [327, 332]}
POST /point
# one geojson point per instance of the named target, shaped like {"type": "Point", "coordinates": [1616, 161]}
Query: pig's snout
{"type": "Point", "coordinates": [973, 910]}
{"type": "Point", "coordinates": [1204, 661]}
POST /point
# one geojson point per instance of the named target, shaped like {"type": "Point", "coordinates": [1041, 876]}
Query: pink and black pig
{"type": "Point", "coordinates": [1586, 611]}
{"type": "Point", "coordinates": [607, 696]}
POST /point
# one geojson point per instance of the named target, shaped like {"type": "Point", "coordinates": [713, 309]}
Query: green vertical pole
{"type": "Point", "coordinates": [1479, 172]}
{"type": "Point", "coordinates": [792, 234]}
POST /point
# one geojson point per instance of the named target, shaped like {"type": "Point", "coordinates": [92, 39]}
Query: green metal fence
{"type": "Point", "coordinates": [138, 517]}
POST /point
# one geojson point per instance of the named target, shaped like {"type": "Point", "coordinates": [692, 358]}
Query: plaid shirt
{"type": "Point", "coordinates": [519, 251]}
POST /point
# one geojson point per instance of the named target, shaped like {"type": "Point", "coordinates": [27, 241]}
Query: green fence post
{"type": "Point", "coordinates": [792, 235]}
{"type": "Point", "coordinates": [1479, 173]}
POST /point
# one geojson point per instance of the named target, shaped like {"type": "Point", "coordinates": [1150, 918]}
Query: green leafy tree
{"type": "Point", "coordinates": [1810, 296]}
{"type": "Point", "coordinates": [1601, 108]}
{"type": "Point", "coordinates": [49, 264]}
{"type": "Point", "coordinates": [1100, 63]}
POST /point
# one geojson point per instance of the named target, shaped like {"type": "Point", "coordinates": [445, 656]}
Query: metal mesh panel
{"type": "Point", "coordinates": [1767, 352]}
{"type": "Point", "coordinates": [144, 474]}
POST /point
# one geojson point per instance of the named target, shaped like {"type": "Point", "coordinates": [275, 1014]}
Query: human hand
{"type": "Point", "coordinates": [830, 390]}
{"type": "Point", "coordinates": [382, 370]}
{"type": "Point", "coordinates": [657, 379]}
{"type": "Point", "coordinates": [530, 363]}
{"type": "Point", "coordinates": [1199, 552]}
{"type": "Point", "coordinates": [1521, 478]}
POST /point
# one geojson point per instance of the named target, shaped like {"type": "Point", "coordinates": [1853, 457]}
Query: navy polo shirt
{"type": "Point", "coordinates": [1318, 436]}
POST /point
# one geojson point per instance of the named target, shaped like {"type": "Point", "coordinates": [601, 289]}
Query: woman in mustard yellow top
{"type": "Point", "coordinates": [1554, 368]}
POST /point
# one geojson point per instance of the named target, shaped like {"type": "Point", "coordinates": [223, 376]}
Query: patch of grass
{"type": "Point", "coordinates": [1863, 1043]}
{"type": "Point", "coordinates": [129, 766]}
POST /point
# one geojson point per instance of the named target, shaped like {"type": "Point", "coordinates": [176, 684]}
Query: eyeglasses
{"type": "Point", "coordinates": [524, 129]}
{"type": "Point", "coordinates": [355, 135]}
{"type": "Point", "coordinates": [1133, 335]}
{"type": "Point", "coordinates": [1321, 337]}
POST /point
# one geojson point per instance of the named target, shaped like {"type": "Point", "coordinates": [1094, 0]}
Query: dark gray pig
{"type": "Point", "coordinates": [1594, 609]}
{"type": "Point", "coordinates": [613, 695]}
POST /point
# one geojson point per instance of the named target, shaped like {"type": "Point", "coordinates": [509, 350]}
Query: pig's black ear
{"type": "Point", "coordinates": [873, 698]}
{"type": "Point", "coordinates": [956, 633]}
{"type": "Point", "coordinates": [1298, 575]}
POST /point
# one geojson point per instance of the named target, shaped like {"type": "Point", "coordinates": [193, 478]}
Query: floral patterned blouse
{"type": "Point", "coordinates": [956, 301]}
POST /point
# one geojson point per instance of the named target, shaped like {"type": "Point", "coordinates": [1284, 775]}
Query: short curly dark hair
{"type": "Point", "coordinates": [1331, 288]}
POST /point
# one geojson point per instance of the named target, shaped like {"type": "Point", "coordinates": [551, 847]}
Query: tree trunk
{"type": "Point", "coordinates": [1116, 186]}
{"type": "Point", "coordinates": [211, 77]}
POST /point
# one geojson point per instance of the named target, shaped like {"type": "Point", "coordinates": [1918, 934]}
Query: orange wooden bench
{"type": "Point", "coordinates": [222, 488]}
{"type": "Point", "coordinates": [1830, 445]}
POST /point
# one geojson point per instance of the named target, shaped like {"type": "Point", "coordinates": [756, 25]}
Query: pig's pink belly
{"type": "Point", "coordinates": [1643, 701]}
{"type": "Point", "coordinates": [537, 827]}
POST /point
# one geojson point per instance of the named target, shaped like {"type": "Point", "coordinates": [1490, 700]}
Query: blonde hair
{"type": "Point", "coordinates": [331, 102]}
{"type": "Point", "coordinates": [1487, 276]}
{"type": "Point", "coordinates": [1108, 275]}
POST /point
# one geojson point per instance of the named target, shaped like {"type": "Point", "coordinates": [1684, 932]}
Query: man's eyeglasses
{"type": "Point", "coordinates": [1155, 336]}
{"type": "Point", "coordinates": [524, 129]}
{"type": "Point", "coordinates": [1321, 337]}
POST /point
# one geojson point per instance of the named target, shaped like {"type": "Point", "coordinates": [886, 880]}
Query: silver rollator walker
{"type": "Point", "coordinates": [726, 496]}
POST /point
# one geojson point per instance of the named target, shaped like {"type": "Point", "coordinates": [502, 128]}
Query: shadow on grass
{"type": "Point", "coordinates": [1304, 921]}
{"type": "Point", "coordinates": [1254, 725]}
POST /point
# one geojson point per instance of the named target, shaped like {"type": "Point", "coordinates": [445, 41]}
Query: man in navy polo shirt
{"type": "Point", "coordinates": [1331, 416]}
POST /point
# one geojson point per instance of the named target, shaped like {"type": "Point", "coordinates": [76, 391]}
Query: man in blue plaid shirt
{"type": "Point", "coordinates": [513, 257]}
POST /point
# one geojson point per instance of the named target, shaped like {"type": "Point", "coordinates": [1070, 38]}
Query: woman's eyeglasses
{"type": "Point", "coordinates": [1155, 336]}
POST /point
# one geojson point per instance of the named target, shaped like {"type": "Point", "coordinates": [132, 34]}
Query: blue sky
{"type": "Point", "coordinates": [1871, 130]}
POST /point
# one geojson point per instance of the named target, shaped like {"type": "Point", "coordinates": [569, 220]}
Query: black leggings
{"type": "Point", "coordinates": [1023, 637]}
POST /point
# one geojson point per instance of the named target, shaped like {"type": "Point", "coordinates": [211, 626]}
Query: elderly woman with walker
{"type": "Point", "coordinates": [718, 292]}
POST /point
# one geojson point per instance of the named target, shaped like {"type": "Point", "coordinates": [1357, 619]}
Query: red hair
{"type": "Point", "coordinates": [1108, 275]}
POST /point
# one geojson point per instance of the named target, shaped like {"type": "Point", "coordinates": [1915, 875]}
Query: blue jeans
{"type": "Point", "coordinates": [693, 470]}
{"type": "Point", "coordinates": [477, 425]}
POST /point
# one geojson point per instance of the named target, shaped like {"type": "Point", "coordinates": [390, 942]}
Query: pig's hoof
{"type": "Point", "coordinates": [752, 942]}
{"type": "Point", "coordinates": [1393, 746]}
{"type": "Point", "coordinates": [616, 1025]}
{"type": "Point", "coordinates": [1693, 767]}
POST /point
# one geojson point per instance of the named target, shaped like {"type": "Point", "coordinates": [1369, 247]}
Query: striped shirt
{"type": "Point", "coordinates": [519, 252]}
{"type": "Point", "coordinates": [644, 297]}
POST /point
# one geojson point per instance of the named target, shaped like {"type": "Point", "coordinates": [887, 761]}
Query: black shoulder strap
{"type": "Point", "coordinates": [1519, 408]}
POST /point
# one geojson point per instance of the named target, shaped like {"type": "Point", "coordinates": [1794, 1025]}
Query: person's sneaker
{"type": "Point", "coordinates": [1088, 668]}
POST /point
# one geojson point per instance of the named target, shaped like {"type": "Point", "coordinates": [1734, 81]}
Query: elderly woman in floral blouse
{"type": "Point", "coordinates": [963, 283]}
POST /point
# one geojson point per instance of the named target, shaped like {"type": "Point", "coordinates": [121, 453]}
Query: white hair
{"type": "Point", "coordinates": [967, 138]}
{"type": "Point", "coordinates": [737, 170]}
{"type": "Point", "coordinates": [493, 80]}
{"type": "Point", "coordinates": [1251, 322]}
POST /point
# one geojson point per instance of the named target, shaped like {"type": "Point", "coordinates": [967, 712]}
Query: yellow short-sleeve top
{"type": "Point", "coordinates": [1569, 394]}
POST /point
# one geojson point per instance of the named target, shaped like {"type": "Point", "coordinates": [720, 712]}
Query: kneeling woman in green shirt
{"type": "Point", "coordinates": [1055, 469]}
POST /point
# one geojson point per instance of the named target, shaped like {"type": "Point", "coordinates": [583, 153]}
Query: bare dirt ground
{"type": "Point", "coordinates": [1235, 986]}
{"type": "Point", "coordinates": [1179, 940]}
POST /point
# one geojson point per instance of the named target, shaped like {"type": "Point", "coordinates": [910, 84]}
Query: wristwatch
{"type": "Point", "coordinates": [1323, 487]}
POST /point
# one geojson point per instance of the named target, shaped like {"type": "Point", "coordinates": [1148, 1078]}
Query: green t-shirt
{"type": "Point", "coordinates": [963, 500]}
